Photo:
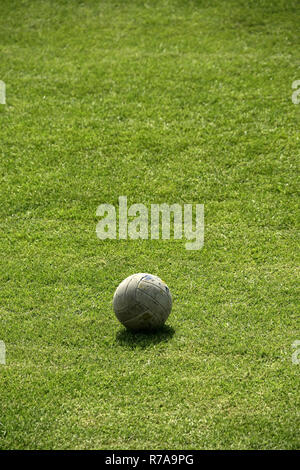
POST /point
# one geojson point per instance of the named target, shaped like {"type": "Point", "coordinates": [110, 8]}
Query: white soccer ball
{"type": "Point", "coordinates": [142, 302]}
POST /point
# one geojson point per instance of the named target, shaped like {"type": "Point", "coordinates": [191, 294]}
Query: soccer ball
{"type": "Point", "coordinates": [142, 302]}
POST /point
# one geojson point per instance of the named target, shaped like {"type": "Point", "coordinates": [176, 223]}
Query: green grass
{"type": "Point", "coordinates": [162, 101]}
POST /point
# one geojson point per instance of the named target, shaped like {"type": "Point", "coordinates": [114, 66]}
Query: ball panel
{"type": "Point", "coordinates": [144, 321]}
{"type": "Point", "coordinates": [125, 293]}
{"type": "Point", "coordinates": [119, 300]}
{"type": "Point", "coordinates": [130, 312]}
{"type": "Point", "coordinates": [157, 292]}
{"type": "Point", "coordinates": [151, 303]}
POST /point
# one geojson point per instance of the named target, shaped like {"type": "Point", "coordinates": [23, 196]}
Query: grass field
{"type": "Point", "coordinates": [162, 101]}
